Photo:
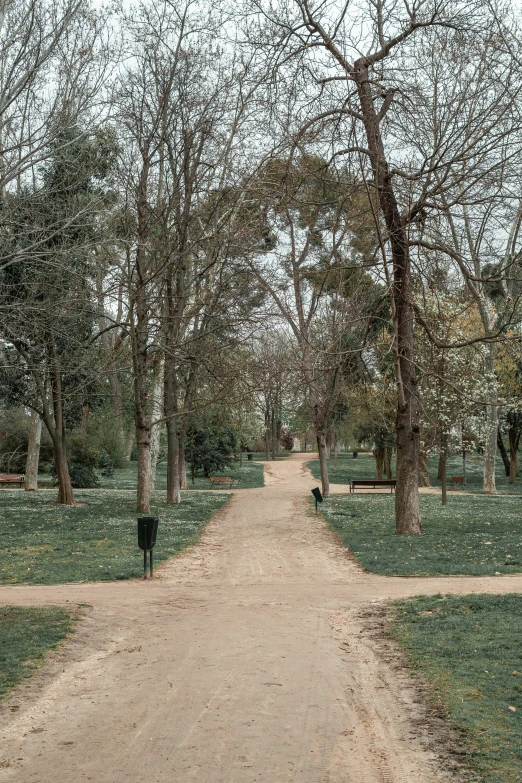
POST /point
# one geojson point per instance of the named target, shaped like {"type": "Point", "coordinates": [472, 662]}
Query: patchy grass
{"type": "Point", "coordinates": [469, 650]}
{"type": "Point", "coordinates": [43, 543]}
{"type": "Point", "coordinates": [364, 467]}
{"type": "Point", "coordinates": [250, 475]}
{"type": "Point", "coordinates": [473, 534]}
{"type": "Point", "coordinates": [25, 636]}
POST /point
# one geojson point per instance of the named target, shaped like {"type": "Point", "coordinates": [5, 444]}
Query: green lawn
{"type": "Point", "coordinates": [469, 651]}
{"type": "Point", "coordinates": [43, 543]}
{"type": "Point", "coordinates": [25, 636]}
{"type": "Point", "coordinates": [250, 475]}
{"type": "Point", "coordinates": [364, 467]}
{"type": "Point", "coordinates": [473, 534]}
{"type": "Point", "coordinates": [261, 455]}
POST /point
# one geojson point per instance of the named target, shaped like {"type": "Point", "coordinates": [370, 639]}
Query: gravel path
{"type": "Point", "coordinates": [246, 659]}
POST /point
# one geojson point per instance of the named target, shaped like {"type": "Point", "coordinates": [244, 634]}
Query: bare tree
{"type": "Point", "coordinates": [359, 67]}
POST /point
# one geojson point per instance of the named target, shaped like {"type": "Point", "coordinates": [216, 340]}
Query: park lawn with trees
{"type": "Point", "coordinates": [473, 534]}
{"type": "Point", "coordinates": [250, 475]}
{"type": "Point", "coordinates": [96, 540]}
{"type": "Point", "coordinates": [364, 468]}
{"type": "Point", "coordinates": [26, 635]}
{"type": "Point", "coordinates": [468, 651]}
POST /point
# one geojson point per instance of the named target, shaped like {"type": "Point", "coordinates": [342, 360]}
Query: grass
{"type": "Point", "coordinates": [43, 543]}
{"type": "Point", "coordinates": [469, 650]}
{"type": "Point", "coordinates": [261, 455]}
{"type": "Point", "coordinates": [473, 534]}
{"type": "Point", "coordinates": [250, 475]}
{"type": "Point", "coordinates": [364, 467]}
{"type": "Point", "coordinates": [25, 636]}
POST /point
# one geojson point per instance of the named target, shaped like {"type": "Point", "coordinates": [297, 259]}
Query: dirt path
{"type": "Point", "coordinates": [245, 660]}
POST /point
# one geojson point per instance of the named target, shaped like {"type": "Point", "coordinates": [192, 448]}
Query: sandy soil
{"type": "Point", "coordinates": [246, 659]}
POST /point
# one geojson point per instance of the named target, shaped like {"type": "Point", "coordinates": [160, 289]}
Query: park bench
{"type": "Point", "coordinates": [457, 480]}
{"type": "Point", "coordinates": [223, 481]}
{"type": "Point", "coordinates": [372, 483]}
{"type": "Point", "coordinates": [8, 478]}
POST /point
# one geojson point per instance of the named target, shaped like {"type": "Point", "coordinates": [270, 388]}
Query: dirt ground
{"type": "Point", "coordinates": [246, 659]}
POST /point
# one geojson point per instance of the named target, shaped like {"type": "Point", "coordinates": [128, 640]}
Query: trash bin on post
{"type": "Point", "coordinates": [249, 456]}
{"type": "Point", "coordinates": [355, 454]}
{"type": "Point", "coordinates": [147, 532]}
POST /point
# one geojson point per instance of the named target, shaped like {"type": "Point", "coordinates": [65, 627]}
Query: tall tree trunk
{"type": "Point", "coordinates": [173, 484]}
{"type": "Point", "coordinates": [144, 483]}
{"type": "Point", "coordinates": [267, 432]}
{"type": "Point", "coordinates": [171, 412]}
{"type": "Point", "coordinates": [378, 453]}
{"type": "Point", "coordinates": [490, 450]}
{"type": "Point", "coordinates": [444, 452]}
{"type": "Point", "coordinates": [278, 434]}
{"type": "Point", "coordinates": [65, 490]}
{"type": "Point", "coordinates": [424, 476]}
{"type": "Point", "coordinates": [321, 448]}
{"type": "Point", "coordinates": [182, 461]}
{"type": "Point", "coordinates": [157, 411]}
{"type": "Point", "coordinates": [56, 430]}
{"type": "Point", "coordinates": [130, 443]}
{"type": "Point", "coordinates": [328, 443]}
{"type": "Point", "coordinates": [440, 467]}
{"type": "Point", "coordinates": [388, 452]}
{"type": "Point", "coordinates": [513, 453]}
{"type": "Point", "coordinates": [33, 453]}
{"type": "Point", "coordinates": [503, 452]}
{"type": "Point", "coordinates": [407, 513]}
{"type": "Point", "coordinates": [139, 327]}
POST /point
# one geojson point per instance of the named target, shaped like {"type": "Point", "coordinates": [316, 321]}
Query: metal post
{"type": "Point", "coordinates": [151, 563]}
{"type": "Point", "coordinates": [144, 563]}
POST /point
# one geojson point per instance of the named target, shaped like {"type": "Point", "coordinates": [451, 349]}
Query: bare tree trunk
{"type": "Point", "coordinates": [33, 453]}
{"type": "Point", "coordinates": [378, 453]}
{"type": "Point", "coordinates": [444, 453]}
{"type": "Point", "coordinates": [424, 476]}
{"type": "Point", "coordinates": [157, 410]}
{"type": "Point", "coordinates": [173, 483]}
{"type": "Point", "coordinates": [514, 436]}
{"type": "Point", "coordinates": [407, 514]}
{"type": "Point", "coordinates": [321, 448]}
{"type": "Point", "coordinates": [171, 412]}
{"type": "Point", "coordinates": [65, 490]}
{"type": "Point", "coordinates": [143, 487]}
{"type": "Point", "coordinates": [57, 432]}
{"type": "Point", "coordinates": [490, 450]}
{"type": "Point", "coordinates": [328, 443]}
{"type": "Point", "coordinates": [140, 344]}
{"type": "Point", "coordinates": [503, 452]}
{"type": "Point", "coordinates": [182, 461]}
{"type": "Point", "coordinates": [130, 443]}
{"type": "Point", "coordinates": [388, 462]}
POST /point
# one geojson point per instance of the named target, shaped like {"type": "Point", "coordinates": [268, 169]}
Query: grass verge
{"type": "Point", "coordinates": [25, 636]}
{"type": "Point", "coordinates": [473, 534]}
{"type": "Point", "coordinates": [468, 649]}
{"type": "Point", "coordinates": [43, 543]}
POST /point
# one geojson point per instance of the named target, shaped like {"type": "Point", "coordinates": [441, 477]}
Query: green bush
{"type": "Point", "coordinates": [208, 449]}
